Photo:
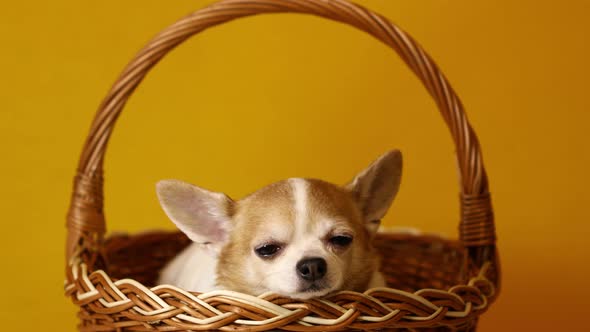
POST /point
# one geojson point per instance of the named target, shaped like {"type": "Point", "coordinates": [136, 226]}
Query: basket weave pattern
{"type": "Point", "coordinates": [437, 284]}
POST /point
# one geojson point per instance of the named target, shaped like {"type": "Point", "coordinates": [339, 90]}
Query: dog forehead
{"type": "Point", "coordinates": [307, 205]}
{"type": "Point", "coordinates": [273, 203]}
{"type": "Point", "coordinates": [278, 193]}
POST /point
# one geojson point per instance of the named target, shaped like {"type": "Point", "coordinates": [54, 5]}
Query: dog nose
{"type": "Point", "coordinates": [312, 269]}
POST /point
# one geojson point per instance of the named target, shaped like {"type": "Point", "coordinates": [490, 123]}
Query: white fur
{"type": "Point", "coordinates": [300, 196]}
{"type": "Point", "coordinates": [194, 269]}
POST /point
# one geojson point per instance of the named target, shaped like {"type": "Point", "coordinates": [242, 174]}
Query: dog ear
{"type": "Point", "coordinates": [204, 216]}
{"type": "Point", "coordinates": [376, 186]}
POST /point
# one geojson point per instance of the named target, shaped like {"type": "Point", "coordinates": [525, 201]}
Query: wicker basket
{"type": "Point", "coordinates": [436, 284]}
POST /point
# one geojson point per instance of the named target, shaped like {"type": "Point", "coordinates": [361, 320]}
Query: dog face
{"type": "Point", "coordinates": [300, 238]}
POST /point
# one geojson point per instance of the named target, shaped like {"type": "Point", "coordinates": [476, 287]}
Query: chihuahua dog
{"type": "Point", "coordinates": [300, 238]}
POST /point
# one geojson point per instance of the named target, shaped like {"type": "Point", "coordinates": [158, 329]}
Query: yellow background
{"type": "Point", "coordinates": [271, 97]}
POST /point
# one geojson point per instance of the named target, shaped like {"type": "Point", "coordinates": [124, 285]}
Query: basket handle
{"type": "Point", "coordinates": [86, 223]}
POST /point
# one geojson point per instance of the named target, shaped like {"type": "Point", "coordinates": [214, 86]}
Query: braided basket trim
{"type": "Point", "coordinates": [137, 304]}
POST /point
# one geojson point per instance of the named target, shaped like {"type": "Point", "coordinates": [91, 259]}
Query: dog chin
{"type": "Point", "coordinates": [311, 291]}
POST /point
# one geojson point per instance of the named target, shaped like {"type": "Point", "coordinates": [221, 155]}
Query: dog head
{"type": "Point", "coordinates": [300, 238]}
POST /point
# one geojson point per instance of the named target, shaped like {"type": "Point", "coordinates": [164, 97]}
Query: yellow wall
{"type": "Point", "coordinates": [271, 97]}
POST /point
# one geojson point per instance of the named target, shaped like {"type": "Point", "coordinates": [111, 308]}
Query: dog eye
{"type": "Point", "coordinates": [267, 250]}
{"type": "Point", "coordinates": [341, 240]}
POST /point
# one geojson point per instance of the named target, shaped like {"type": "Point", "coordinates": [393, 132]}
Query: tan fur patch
{"type": "Point", "coordinates": [271, 204]}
